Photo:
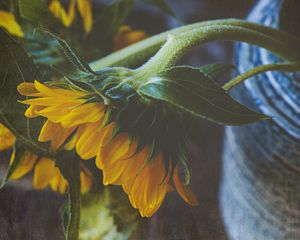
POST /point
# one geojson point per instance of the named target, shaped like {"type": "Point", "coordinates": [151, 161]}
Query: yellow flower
{"type": "Point", "coordinates": [145, 182]}
{"type": "Point", "coordinates": [67, 17]}
{"type": "Point", "coordinates": [126, 36]}
{"type": "Point", "coordinates": [45, 172]}
{"type": "Point", "coordinates": [8, 21]}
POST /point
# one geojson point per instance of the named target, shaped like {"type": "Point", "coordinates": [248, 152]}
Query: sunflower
{"type": "Point", "coordinates": [45, 172]}
{"type": "Point", "coordinates": [67, 17]}
{"type": "Point", "coordinates": [145, 174]}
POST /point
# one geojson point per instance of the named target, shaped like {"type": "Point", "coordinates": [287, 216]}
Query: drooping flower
{"type": "Point", "coordinates": [45, 172]}
{"type": "Point", "coordinates": [67, 17]}
{"type": "Point", "coordinates": [125, 36]}
{"type": "Point", "coordinates": [146, 173]}
{"type": "Point", "coordinates": [9, 22]}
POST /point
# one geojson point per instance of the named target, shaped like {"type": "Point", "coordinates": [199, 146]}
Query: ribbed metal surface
{"type": "Point", "coordinates": [260, 193]}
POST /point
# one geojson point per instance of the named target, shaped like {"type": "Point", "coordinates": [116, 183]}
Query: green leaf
{"type": "Point", "coordinates": [192, 91]}
{"type": "Point", "coordinates": [16, 67]}
{"type": "Point", "coordinates": [68, 164]}
{"type": "Point", "coordinates": [162, 5]}
{"type": "Point", "coordinates": [216, 70]}
{"type": "Point", "coordinates": [18, 152]}
{"type": "Point", "coordinates": [33, 10]}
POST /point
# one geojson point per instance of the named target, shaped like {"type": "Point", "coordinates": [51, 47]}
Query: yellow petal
{"type": "Point", "coordinates": [27, 89]}
{"type": "Point", "coordinates": [33, 111]}
{"type": "Point", "coordinates": [44, 171]}
{"type": "Point", "coordinates": [126, 36]}
{"type": "Point", "coordinates": [8, 21]}
{"type": "Point", "coordinates": [24, 166]}
{"type": "Point", "coordinates": [7, 138]}
{"type": "Point", "coordinates": [113, 153]}
{"type": "Point", "coordinates": [55, 133]}
{"type": "Point", "coordinates": [57, 92]}
{"type": "Point", "coordinates": [88, 143]}
{"type": "Point", "coordinates": [184, 191]}
{"type": "Point", "coordinates": [58, 183]}
{"type": "Point", "coordinates": [85, 10]}
{"type": "Point", "coordinates": [149, 187]}
{"type": "Point", "coordinates": [105, 136]}
{"type": "Point", "coordinates": [90, 112]}
{"type": "Point", "coordinates": [72, 143]}
{"type": "Point", "coordinates": [86, 182]}
{"type": "Point", "coordinates": [59, 12]}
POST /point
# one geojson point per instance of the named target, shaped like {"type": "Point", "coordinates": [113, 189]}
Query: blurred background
{"type": "Point", "coordinates": [27, 214]}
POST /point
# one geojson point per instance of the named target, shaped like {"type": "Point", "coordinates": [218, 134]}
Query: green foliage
{"type": "Point", "coordinates": [33, 10]}
{"type": "Point", "coordinates": [16, 67]}
{"type": "Point", "coordinates": [190, 90]}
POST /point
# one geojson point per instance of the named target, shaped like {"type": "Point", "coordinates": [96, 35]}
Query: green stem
{"type": "Point", "coordinates": [139, 52]}
{"type": "Point", "coordinates": [176, 45]}
{"type": "Point", "coordinates": [72, 232]}
{"type": "Point", "coordinates": [69, 165]}
{"type": "Point", "coordinates": [284, 67]}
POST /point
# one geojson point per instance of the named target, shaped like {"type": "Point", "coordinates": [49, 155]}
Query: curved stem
{"type": "Point", "coordinates": [177, 44]}
{"type": "Point", "coordinates": [141, 51]}
{"type": "Point", "coordinates": [284, 67]}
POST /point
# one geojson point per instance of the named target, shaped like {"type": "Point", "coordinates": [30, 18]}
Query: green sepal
{"type": "Point", "coordinates": [72, 66]}
{"type": "Point", "coordinates": [191, 91]}
{"type": "Point", "coordinates": [18, 154]}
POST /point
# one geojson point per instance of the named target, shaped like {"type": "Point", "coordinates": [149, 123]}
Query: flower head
{"type": "Point", "coordinates": [129, 139]}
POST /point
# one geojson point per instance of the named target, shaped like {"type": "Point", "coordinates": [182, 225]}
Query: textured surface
{"type": "Point", "coordinates": [260, 186]}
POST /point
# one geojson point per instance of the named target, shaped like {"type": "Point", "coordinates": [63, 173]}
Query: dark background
{"type": "Point", "coordinates": [27, 214]}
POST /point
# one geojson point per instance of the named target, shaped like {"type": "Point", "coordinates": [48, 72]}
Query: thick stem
{"type": "Point", "coordinates": [176, 45]}
{"type": "Point", "coordinates": [139, 52]}
{"type": "Point", "coordinates": [69, 166]}
{"type": "Point", "coordinates": [74, 200]}
{"type": "Point", "coordinates": [283, 67]}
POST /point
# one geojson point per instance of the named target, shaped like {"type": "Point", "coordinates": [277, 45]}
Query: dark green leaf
{"type": "Point", "coordinates": [192, 91]}
{"type": "Point", "coordinates": [161, 4]}
{"type": "Point", "coordinates": [16, 67]}
{"type": "Point", "coordinates": [18, 152]}
{"type": "Point", "coordinates": [216, 70]}
{"type": "Point", "coordinates": [33, 10]}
